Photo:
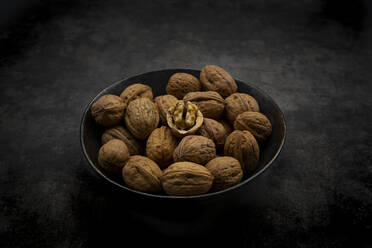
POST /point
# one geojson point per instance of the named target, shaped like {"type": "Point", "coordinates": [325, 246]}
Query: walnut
{"type": "Point", "coordinates": [227, 126]}
{"type": "Point", "coordinates": [113, 155]}
{"type": "Point", "coordinates": [164, 103]}
{"type": "Point", "coordinates": [186, 179]}
{"type": "Point", "coordinates": [195, 148]}
{"type": "Point", "coordinates": [243, 146]}
{"type": "Point", "coordinates": [210, 103]}
{"type": "Point", "coordinates": [256, 123]}
{"type": "Point", "coordinates": [180, 84]}
{"type": "Point", "coordinates": [119, 132]}
{"type": "Point", "coordinates": [136, 91]}
{"type": "Point", "coordinates": [108, 110]}
{"type": "Point", "coordinates": [160, 146]}
{"type": "Point", "coordinates": [141, 117]}
{"type": "Point", "coordinates": [142, 174]}
{"type": "Point", "coordinates": [215, 78]}
{"type": "Point", "coordinates": [184, 120]}
{"type": "Point", "coordinates": [238, 103]}
{"type": "Point", "coordinates": [213, 130]}
{"type": "Point", "coordinates": [226, 171]}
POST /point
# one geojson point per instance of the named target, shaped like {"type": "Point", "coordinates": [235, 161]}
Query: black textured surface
{"type": "Point", "coordinates": [312, 57]}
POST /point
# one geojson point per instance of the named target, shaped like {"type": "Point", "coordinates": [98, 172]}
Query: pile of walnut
{"type": "Point", "coordinates": [188, 142]}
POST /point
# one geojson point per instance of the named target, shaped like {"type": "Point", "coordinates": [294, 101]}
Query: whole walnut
{"type": "Point", "coordinates": [256, 123]}
{"type": "Point", "coordinates": [184, 118]}
{"type": "Point", "coordinates": [142, 174]}
{"type": "Point", "coordinates": [195, 148]}
{"type": "Point", "coordinates": [214, 78]}
{"type": "Point", "coordinates": [164, 103]}
{"type": "Point", "coordinates": [134, 146]}
{"type": "Point", "coordinates": [108, 110]}
{"type": "Point", "coordinates": [160, 146]}
{"type": "Point", "coordinates": [113, 155]}
{"type": "Point", "coordinates": [238, 103]}
{"type": "Point", "coordinates": [180, 84]}
{"type": "Point", "coordinates": [213, 130]}
{"type": "Point", "coordinates": [210, 103]}
{"type": "Point", "coordinates": [243, 146]}
{"type": "Point", "coordinates": [141, 117]}
{"type": "Point", "coordinates": [136, 91]}
{"type": "Point", "coordinates": [227, 126]}
{"type": "Point", "coordinates": [226, 171]}
{"type": "Point", "coordinates": [186, 179]}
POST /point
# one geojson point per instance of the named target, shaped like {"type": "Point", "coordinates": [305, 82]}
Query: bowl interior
{"type": "Point", "coordinates": [91, 132]}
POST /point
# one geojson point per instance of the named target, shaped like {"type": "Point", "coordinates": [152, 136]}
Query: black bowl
{"type": "Point", "coordinates": [90, 132]}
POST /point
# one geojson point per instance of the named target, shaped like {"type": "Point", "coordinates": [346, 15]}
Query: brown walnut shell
{"type": "Point", "coordinates": [160, 146]}
{"type": "Point", "coordinates": [256, 123]}
{"type": "Point", "coordinates": [134, 146]}
{"type": "Point", "coordinates": [186, 179]}
{"type": "Point", "coordinates": [213, 130]}
{"type": "Point", "coordinates": [142, 174]}
{"type": "Point", "coordinates": [210, 103]}
{"type": "Point", "coordinates": [141, 117]}
{"type": "Point", "coordinates": [136, 91]}
{"type": "Point", "coordinates": [226, 171]}
{"type": "Point", "coordinates": [227, 126]}
{"type": "Point", "coordinates": [108, 110]}
{"type": "Point", "coordinates": [243, 146]}
{"type": "Point", "coordinates": [113, 155]}
{"type": "Point", "coordinates": [195, 148]}
{"type": "Point", "coordinates": [164, 103]}
{"type": "Point", "coordinates": [214, 78]}
{"type": "Point", "coordinates": [180, 84]}
{"type": "Point", "coordinates": [238, 103]}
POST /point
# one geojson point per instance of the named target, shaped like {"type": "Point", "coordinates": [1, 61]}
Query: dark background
{"type": "Point", "coordinates": [312, 57]}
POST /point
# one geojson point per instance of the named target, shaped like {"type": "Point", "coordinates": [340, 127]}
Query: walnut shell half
{"type": "Point", "coordinates": [243, 146]}
{"type": "Point", "coordinates": [142, 174]}
{"type": "Point", "coordinates": [238, 103]}
{"type": "Point", "coordinates": [195, 148]}
{"type": "Point", "coordinates": [227, 172]}
{"type": "Point", "coordinates": [108, 110]}
{"type": "Point", "coordinates": [160, 146]}
{"type": "Point", "coordinates": [134, 146]}
{"type": "Point", "coordinates": [215, 78]}
{"type": "Point", "coordinates": [141, 117]}
{"type": "Point", "coordinates": [210, 103]}
{"type": "Point", "coordinates": [256, 123]}
{"type": "Point", "coordinates": [186, 179]}
{"type": "Point", "coordinates": [164, 103]}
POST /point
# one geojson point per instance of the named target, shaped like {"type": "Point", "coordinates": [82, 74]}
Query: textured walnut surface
{"type": "Point", "coordinates": [210, 103]}
{"type": "Point", "coordinates": [238, 103]}
{"type": "Point", "coordinates": [113, 155]}
{"type": "Point", "coordinates": [186, 178]}
{"type": "Point", "coordinates": [141, 117]}
{"type": "Point", "coordinates": [213, 130]}
{"type": "Point", "coordinates": [143, 174]}
{"type": "Point", "coordinates": [214, 78]}
{"type": "Point", "coordinates": [164, 103]}
{"type": "Point", "coordinates": [195, 148]}
{"type": "Point", "coordinates": [243, 146]}
{"type": "Point", "coordinates": [226, 171]}
{"type": "Point", "coordinates": [160, 146]}
{"type": "Point", "coordinates": [135, 91]}
{"type": "Point", "coordinates": [108, 110]}
{"type": "Point", "coordinates": [135, 147]}
{"type": "Point", "coordinates": [180, 84]}
{"type": "Point", "coordinates": [256, 123]}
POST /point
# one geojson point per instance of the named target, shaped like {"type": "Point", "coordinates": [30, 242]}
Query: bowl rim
{"type": "Point", "coordinates": [207, 195]}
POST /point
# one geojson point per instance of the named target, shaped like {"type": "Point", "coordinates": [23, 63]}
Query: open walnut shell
{"type": "Point", "coordinates": [184, 118]}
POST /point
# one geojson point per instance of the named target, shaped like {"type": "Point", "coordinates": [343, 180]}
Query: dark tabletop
{"type": "Point", "coordinates": [312, 57]}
